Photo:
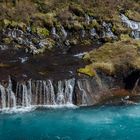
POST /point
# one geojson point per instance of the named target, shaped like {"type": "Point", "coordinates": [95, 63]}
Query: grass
{"type": "Point", "coordinates": [115, 57]}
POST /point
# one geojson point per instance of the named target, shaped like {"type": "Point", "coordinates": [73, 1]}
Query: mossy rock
{"type": "Point", "coordinates": [77, 25]}
{"type": "Point", "coordinates": [116, 57]}
{"type": "Point", "coordinates": [50, 19]}
{"type": "Point", "coordinates": [6, 22]}
{"type": "Point", "coordinates": [7, 40]}
{"type": "Point", "coordinates": [133, 15]}
{"type": "Point", "coordinates": [42, 31]}
{"type": "Point", "coordinates": [86, 42]}
{"type": "Point", "coordinates": [14, 24]}
{"type": "Point", "coordinates": [94, 24]}
{"type": "Point", "coordinates": [51, 43]}
{"type": "Point", "coordinates": [88, 70]}
{"type": "Point", "coordinates": [124, 37]}
{"type": "Point", "coordinates": [107, 68]}
{"type": "Point", "coordinates": [74, 41]}
{"type": "Point", "coordinates": [118, 28]}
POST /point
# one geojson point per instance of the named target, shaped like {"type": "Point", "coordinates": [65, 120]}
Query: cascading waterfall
{"type": "Point", "coordinates": [81, 92]}
{"type": "Point", "coordinates": [54, 33]}
{"type": "Point", "coordinates": [93, 32]}
{"type": "Point", "coordinates": [64, 33]}
{"type": "Point", "coordinates": [135, 26]}
{"type": "Point", "coordinates": [38, 92]}
{"type": "Point", "coordinates": [11, 96]}
{"type": "Point", "coordinates": [108, 32]}
{"type": "Point", "coordinates": [87, 19]}
{"type": "Point", "coordinates": [3, 96]}
{"type": "Point", "coordinates": [3, 47]}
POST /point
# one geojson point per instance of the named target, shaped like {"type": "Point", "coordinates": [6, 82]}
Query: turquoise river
{"type": "Point", "coordinates": [86, 123]}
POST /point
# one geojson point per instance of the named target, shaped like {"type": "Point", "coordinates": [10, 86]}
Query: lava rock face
{"type": "Point", "coordinates": [69, 52]}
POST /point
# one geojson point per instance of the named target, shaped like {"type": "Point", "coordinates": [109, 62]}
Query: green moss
{"type": "Point", "coordinates": [107, 68]}
{"type": "Point", "coordinates": [94, 24]}
{"type": "Point", "coordinates": [125, 37]}
{"type": "Point", "coordinates": [77, 25]}
{"type": "Point", "coordinates": [88, 70]}
{"type": "Point", "coordinates": [14, 24]}
{"type": "Point", "coordinates": [49, 19]}
{"type": "Point", "coordinates": [42, 31]}
{"type": "Point", "coordinates": [6, 22]}
{"type": "Point", "coordinates": [115, 57]}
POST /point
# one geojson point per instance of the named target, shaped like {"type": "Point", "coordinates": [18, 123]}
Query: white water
{"type": "Point", "coordinates": [3, 47]}
{"type": "Point", "coordinates": [25, 96]}
{"type": "Point", "coordinates": [108, 32]}
{"type": "Point", "coordinates": [23, 59]}
{"type": "Point", "coordinates": [135, 26]}
{"type": "Point", "coordinates": [93, 32]}
{"type": "Point", "coordinates": [87, 19]}
{"type": "Point", "coordinates": [80, 55]}
{"type": "Point", "coordinates": [54, 33]}
{"type": "Point", "coordinates": [83, 33]}
{"type": "Point", "coordinates": [32, 94]}
{"type": "Point", "coordinates": [64, 32]}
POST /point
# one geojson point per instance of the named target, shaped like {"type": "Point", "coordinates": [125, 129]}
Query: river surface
{"type": "Point", "coordinates": [93, 123]}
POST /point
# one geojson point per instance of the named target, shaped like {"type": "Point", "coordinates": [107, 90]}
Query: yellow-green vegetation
{"type": "Point", "coordinates": [69, 13]}
{"type": "Point", "coordinates": [13, 23]}
{"type": "Point", "coordinates": [116, 57]}
{"type": "Point", "coordinates": [42, 31]}
{"type": "Point", "coordinates": [88, 70]}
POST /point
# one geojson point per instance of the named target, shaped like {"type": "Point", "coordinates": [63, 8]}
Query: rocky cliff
{"type": "Point", "coordinates": [82, 52]}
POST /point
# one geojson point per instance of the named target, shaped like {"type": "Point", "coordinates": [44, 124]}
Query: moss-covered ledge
{"type": "Point", "coordinates": [114, 58]}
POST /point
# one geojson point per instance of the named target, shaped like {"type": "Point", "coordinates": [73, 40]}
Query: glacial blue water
{"type": "Point", "coordinates": [94, 123]}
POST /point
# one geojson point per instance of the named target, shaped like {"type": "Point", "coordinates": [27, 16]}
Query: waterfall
{"type": "Point", "coordinates": [83, 33]}
{"type": "Point", "coordinates": [26, 96]}
{"type": "Point", "coordinates": [40, 92]}
{"type": "Point", "coordinates": [135, 26]}
{"type": "Point", "coordinates": [52, 93]}
{"type": "Point", "coordinates": [64, 33]}
{"type": "Point", "coordinates": [55, 35]}
{"type": "Point", "coordinates": [87, 19]}
{"type": "Point", "coordinates": [80, 55]}
{"type": "Point", "coordinates": [11, 95]}
{"type": "Point", "coordinates": [108, 32]}
{"type": "Point", "coordinates": [69, 88]}
{"type": "Point", "coordinates": [93, 32]}
{"type": "Point", "coordinates": [3, 47]}
{"type": "Point", "coordinates": [23, 59]}
{"type": "Point", "coordinates": [3, 96]}
{"type": "Point", "coordinates": [33, 93]}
